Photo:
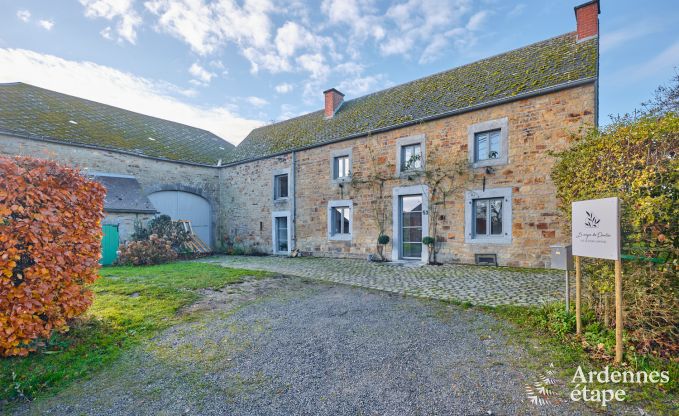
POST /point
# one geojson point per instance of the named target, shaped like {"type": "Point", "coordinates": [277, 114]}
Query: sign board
{"type": "Point", "coordinates": [596, 228]}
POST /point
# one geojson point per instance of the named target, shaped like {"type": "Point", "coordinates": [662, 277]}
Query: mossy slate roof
{"type": "Point", "coordinates": [542, 65]}
{"type": "Point", "coordinates": [30, 111]}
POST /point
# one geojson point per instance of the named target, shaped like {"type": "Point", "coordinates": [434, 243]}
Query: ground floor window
{"type": "Point", "coordinates": [488, 216]}
{"type": "Point", "coordinates": [340, 220]}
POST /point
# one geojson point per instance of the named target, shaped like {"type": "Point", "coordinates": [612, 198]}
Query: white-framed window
{"type": "Point", "coordinates": [411, 157]}
{"type": "Point", "coordinates": [488, 216]}
{"type": "Point", "coordinates": [410, 154]}
{"type": "Point", "coordinates": [489, 143]}
{"type": "Point", "coordinates": [340, 219]}
{"type": "Point", "coordinates": [340, 165]}
{"type": "Point", "coordinates": [341, 168]}
{"type": "Point", "coordinates": [486, 145]}
{"type": "Point", "coordinates": [280, 186]}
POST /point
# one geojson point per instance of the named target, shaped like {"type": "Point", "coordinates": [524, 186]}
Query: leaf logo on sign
{"type": "Point", "coordinates": [592, 221]}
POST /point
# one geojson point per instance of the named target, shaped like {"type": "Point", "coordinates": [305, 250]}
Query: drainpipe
{"type": "Point", "coordinates": [293, 205]}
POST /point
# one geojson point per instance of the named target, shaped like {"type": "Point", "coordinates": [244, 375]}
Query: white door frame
{"type": "Point", "coordinates": [397, 193]}
{"type": "Point", "coordinates": [274, 215]}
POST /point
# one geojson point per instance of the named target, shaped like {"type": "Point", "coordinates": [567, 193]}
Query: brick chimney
{"type": "Point", "coordinates": [587, 16]}
{"type": "Point", "coordinates": [333, 99]}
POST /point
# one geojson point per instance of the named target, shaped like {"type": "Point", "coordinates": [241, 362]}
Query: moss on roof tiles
{"type": "Point", "coordinates": [27, 110]}
{"type": "Point", "coordinates": [541, 65]}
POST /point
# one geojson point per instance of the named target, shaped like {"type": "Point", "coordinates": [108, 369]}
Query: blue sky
{"type": "Point", "coordinates": [231, 65]}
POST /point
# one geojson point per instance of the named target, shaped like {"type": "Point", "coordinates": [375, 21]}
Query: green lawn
{"type": "Point", "coordinates": [131, 304]}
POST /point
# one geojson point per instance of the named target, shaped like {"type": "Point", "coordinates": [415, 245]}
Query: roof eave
{"type": "Point", "coordinates": [104, 148]}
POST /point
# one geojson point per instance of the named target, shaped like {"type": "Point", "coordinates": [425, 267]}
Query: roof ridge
{"type": "Point", "coordinates": [421, 78]}
{"type": "Point", "coordinates": [20, 83]}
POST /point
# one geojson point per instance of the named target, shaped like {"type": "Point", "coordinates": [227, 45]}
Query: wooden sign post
{"type": "Point", "coordinates": [578, 278]}
{"type": "Point", "coordinates": [595, 226]}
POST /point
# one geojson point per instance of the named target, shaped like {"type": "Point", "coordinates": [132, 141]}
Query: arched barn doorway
{"type": "Point", "coordinates": [181, 205]}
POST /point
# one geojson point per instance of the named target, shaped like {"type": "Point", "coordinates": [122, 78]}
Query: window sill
{"type": "Point", "coordinates": [489, 162]}
{"type": "Point", "coordinates": [413, 172]}
{"type": "Point", "coordinates": [341, 180]}
{"type": "Point", "coordinates": [505, 240]}
{"type": "Point", "coordinates": [281, 199]}
{"type": "Point", "coordinates": [341, 237]}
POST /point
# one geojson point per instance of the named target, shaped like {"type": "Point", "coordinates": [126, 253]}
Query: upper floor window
{"type": "Point", "coordinates": [280, 186]}
{"type": "Point", "coordinates": [411, 157]}
{"type": "Point", "coordinates": [341, 167]}
{"type": "Point", "coordinates": [487, 145]}
{"type": "Point", "coordinates": [410, 154]}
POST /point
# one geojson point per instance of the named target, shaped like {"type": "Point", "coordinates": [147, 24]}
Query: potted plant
{"type": "Point", "coordinates": [382, 241]}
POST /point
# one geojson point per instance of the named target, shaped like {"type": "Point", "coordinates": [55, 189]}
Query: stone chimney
{"type": "Point", "coordinates": [333, 99]}
{"type": "Point", "coordinates": [587, 16]}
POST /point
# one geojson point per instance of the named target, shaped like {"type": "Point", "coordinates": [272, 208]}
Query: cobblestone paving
{"type": "Point", "coordinates": [479, 285]}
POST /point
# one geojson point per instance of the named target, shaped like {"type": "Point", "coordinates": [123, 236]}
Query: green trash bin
{"type": "Point", "coordinates": [109, 244]}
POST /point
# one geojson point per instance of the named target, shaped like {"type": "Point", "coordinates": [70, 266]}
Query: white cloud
{"type": "Point", "coordinates": [120, 10]}
{"type": "Point", "coordinates": [663, 61]}
{"type": "Point", "coordinates": [257, 101]}
{"type": "Point", "coordinates": [283, 88]}
{"type": "Point", "coordinates": [517, 10]}
{"type": "Point", "coordinates": [46, 24]}
{"type": "Point", "coordinates": [363, 85]}
{"type": "Point", "coordinates": [361, 16]}
{"type": "Point", "coordinates": [207, 26]}
{"type": "Point", "coordinates": [477, 20]}
{"type": "Point", "coordinates": [611, 39]}
{"type": "Point", "coordinates": [202, 74]}
{"type": "Point", "coordinates": [24, 15]}
{"type": "Point", "coordinates": [121, 89]}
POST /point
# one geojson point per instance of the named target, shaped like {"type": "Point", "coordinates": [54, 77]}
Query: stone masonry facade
{"type": "Point", "coordinates": [242, 197]}
{"type": "Point", "coordinates": [153, 174]}
{"type": "Point", "coordinates": [535, 125]}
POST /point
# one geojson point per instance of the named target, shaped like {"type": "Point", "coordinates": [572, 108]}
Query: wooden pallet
{"type": "Point", "coordinates": [194, 244]}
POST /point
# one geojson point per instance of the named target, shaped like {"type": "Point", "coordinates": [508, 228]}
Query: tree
{"type": "Point", "coordinates": [665, 98]}
{"type": "Point", "coordinates": [634, 159]}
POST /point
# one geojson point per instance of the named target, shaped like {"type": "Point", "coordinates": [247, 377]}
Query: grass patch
{"type": "Point", "coordinates": [554, 331]}
{"type": "Point", "coordinates": [131, 304]}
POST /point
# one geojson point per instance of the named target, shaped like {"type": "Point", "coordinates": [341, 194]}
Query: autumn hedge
{"type": "Point", "coordinates": [50, 241]}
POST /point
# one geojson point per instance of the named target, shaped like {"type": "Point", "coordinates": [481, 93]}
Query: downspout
{"type": "Point", "coordinates": [293, 204]}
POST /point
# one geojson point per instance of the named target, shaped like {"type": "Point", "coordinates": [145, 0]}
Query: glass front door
{"type": "Point", "coordinates": [281, 234]}
{"type": "Point", "coordinates": [411, 227]}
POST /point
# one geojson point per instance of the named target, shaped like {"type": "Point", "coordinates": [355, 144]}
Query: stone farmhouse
{"type": "Point", "coordinates": [304, 184]}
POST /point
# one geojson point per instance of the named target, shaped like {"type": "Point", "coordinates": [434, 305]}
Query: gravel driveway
{"type": "Point", "coordinates": [290, 346]}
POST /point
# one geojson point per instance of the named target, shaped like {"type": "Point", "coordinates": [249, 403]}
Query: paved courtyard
{"type": "Point", "coordinates": [480, 285]}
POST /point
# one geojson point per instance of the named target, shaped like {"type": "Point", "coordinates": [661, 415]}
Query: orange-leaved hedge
{"type": "Point", "coordinates": [50, 242]}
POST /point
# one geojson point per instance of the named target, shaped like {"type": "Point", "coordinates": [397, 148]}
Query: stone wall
{"type": "Point", "coordinates": [125, 222]}
{"type": "Point", "coordinates": [535, 126]}
{"type": "Point", "coordinates": [247, 202]}
{"type": "Point", "coordinates": [153, 175]}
